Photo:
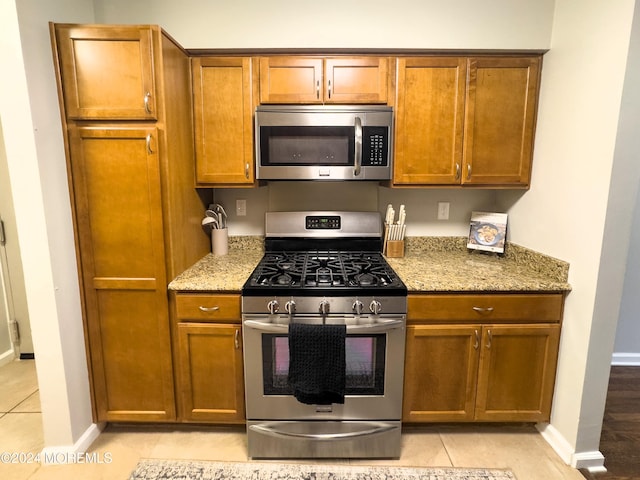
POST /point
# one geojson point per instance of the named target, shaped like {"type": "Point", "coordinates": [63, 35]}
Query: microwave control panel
{"type": "Point", "coordinates": [375, 146]}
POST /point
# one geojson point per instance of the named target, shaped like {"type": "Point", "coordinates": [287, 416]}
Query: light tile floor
{"type": "Point", "coordinates": [119, 447]}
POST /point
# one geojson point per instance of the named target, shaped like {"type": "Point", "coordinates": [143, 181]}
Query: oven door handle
{"type": "Point", "coordinates": [367, 327]}
{"type": "Point", "coordinates": [272, 428]}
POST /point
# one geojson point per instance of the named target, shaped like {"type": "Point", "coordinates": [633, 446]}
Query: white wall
{"type": "Point", "coordinates": [36, 165]}
{"type": "Point", "coordinates": [339, 23]}
{"type": "Point", "coordinates": [366, 196]}
{"type": "Point", "coordinates": [627, 344]}
{"type": "Point", "coordinates": [573, 200]}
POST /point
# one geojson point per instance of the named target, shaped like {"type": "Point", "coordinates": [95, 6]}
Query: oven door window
{"type": "Point", "coordinates": [365, 358]}
{"type": "Point", "coordinates": [307, 146]}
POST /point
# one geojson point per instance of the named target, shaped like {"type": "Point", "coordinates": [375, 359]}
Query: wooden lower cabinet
{"type": "Point", "coordinates": [493, 372]}
{"type": "Point", "coordinates": [210, 378]}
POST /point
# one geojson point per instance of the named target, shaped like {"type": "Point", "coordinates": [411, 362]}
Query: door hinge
{"type": "Point", "coordinates": [14, 329]}
{"type": "Point", "coordinates": [3, 237]}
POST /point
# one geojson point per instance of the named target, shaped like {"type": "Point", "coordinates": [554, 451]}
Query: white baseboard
{"type": "Point", "coordinates": [72, 453]}
{"type": "Point", "coordinates": [626, 359]}
{"type": "Point", "coordinates": [592, 461]}
{"type": "Point", "coordinates": [7, 357]}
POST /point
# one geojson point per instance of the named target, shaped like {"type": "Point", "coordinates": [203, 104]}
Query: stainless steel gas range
{"type": "Point", "coordinates": [324, 320]}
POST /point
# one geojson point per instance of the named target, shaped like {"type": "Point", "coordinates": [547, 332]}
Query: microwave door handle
{"type": "Point", "coordinates": [357, 161]}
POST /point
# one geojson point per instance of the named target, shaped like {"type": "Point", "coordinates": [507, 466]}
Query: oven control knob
{"type": "Point", "coordinates": [290, 307]}
{"type": "Point", "coordinates": [273, 306]}
{"type": "Point", "coordinates": [324, 307]}
{"type": "Point", "coordinates": [357, 307]}
{"type": "Point", "coordinates": [375, 306]}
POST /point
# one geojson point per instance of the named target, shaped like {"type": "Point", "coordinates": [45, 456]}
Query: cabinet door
{"type": "Point", "coordinates": [223, 111]}
{"type": "Point", "coordinates": [116, 189]}
{"type": "Point", "coordinates": [291, 80]}
{"type": "Point", "coordinates": [319, 80]}
{"type": "Point", "coordinates": [107, 71]}
{"type": "Point", "coordinates": [356, 80]}
{"type": "Point", "coordinates": [501, 104]}
{"type": "Point", "coordinates": [440, 373]}
{"type": "Point", "coordinates": [429, 121]}
{"type": "Point", "coordinates": [211, 377]}
{"type": "Point", "coordinates": [517, 372]}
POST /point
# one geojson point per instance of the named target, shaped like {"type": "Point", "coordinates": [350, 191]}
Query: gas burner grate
{"type": "Point", "coordinates": [326, 270]}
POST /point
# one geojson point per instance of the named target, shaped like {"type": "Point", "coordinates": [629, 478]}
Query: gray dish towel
{"type": "Point", "coordinates": [317, 365]}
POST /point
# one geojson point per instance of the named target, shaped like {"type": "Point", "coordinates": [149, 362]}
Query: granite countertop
{"type": "Point", "coordinates": [444, 264]}
{"type": "Point", "coordinates": [430, 264]}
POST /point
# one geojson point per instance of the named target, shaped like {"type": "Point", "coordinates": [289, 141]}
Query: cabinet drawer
{"type": "Point", "coordinates": [485, 308]}
{"type": "Point", "coordinates": [204, 307]}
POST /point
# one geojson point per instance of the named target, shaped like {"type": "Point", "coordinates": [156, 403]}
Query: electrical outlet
{"type": "Point", "coordinates": [241, 208]}
{"type": "Point", "coordinates": [443, 210]}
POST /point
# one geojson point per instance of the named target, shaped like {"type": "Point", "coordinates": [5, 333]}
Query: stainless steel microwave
{"type": "Point", "coordinates": [328, 142]}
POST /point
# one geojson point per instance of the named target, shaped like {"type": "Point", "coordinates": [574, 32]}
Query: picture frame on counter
{"type": "Point", "coordinates": [487, 232]}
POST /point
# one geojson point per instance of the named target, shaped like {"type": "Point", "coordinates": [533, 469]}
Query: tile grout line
{"type": "Point", "coordinates": [446, 450]}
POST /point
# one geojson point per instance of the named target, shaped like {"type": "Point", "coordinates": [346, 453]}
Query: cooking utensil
{"type": "Point", "coordinates": [221, 214]}
{"type": "Point", "coordinates": [208, 224]}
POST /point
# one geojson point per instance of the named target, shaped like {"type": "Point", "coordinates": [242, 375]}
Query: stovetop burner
{"type": "Point", "coordinates": [321, 272]}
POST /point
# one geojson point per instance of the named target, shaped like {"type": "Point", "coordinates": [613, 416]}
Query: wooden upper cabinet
{"type": "Point", "coordinates": [107, 72]}
{"type": "Point", "coordinates": [223, 109]}
{"type": "Point", "coordinates": [429, 120]}
{"type": "Point", "coordinates": [308, 80]}
{"type": "Point", "coordinates": [466, 121]}
{"type": "Point", "coordinates": [501, 105]}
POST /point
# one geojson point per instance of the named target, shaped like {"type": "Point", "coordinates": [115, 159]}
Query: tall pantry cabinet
{"type": "Point", "coordinates": [126, 102]}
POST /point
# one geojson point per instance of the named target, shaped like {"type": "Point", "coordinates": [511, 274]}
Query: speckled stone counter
{"type": "Point", "coordinates": [444, 264]}
{"type": "Point", "coordinates": [225, 273]}
{"type": "Point", "coordinates": [430, 264]}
